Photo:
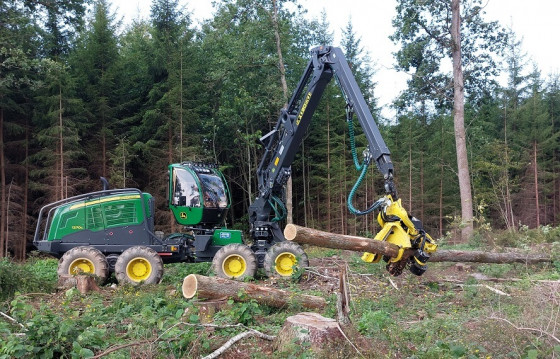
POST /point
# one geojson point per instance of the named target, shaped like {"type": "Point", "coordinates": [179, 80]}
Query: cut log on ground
{"type": "Point", "coordinates": [304, 235]}
{"type": "Point", "coordinates": [489, 257]}
{"type": "Point", "coordinates": [214, 287]}
{"type": "Point", "coordinates": [310, 330]}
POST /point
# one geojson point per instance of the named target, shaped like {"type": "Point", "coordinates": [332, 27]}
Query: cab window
{"type": "Point", "coordinates": [185, 189]}
{"type": "Point", "coordinates": [213, 191]}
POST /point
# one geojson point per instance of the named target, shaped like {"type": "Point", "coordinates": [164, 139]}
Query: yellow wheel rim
{"type": "Point", "coordinates": [285, 263]}
{"type": "Point", "coordinates": [81, 265]}
{"type": "Point", "coordinates": [138, 269]}
{"type": "Point", "coordinates": [234, 266]}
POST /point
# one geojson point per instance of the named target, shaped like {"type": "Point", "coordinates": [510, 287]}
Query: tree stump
{"type": "Point", "coordinates": [207, 309]}
{"type": "Point", "coordinates": [66, 281]}
{"type": "Point", "coordinates": [310, 331]}
{"type": "Point", "coordinates": [86, 284]}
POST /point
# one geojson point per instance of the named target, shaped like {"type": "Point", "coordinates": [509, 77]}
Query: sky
{"type": "Point", "coordinates": [534, 22]}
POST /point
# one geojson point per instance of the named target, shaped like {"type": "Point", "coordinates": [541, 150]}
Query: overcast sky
{"type": "Point", "coordinates": [535, 22]}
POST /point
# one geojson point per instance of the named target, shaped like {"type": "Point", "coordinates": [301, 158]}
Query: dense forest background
{"type": "Point", "coordinates": [81, 98]}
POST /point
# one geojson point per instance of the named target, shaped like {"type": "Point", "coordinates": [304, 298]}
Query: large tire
{"type": "Point", "coordinates": [284, 260]}
{"type": "Point", "coordinates": [235, 261]}
{"type": "Point", "coordinates": [84, 259]}
{"type": "Point", "coordinates": [137, 265]}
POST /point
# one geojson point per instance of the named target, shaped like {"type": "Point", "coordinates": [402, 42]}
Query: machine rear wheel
{"type": "Point", "coordinates": [235, 261]}
{"type": "Point", "coordinates": [84, 259]}
{"type": "Point", "coordinates": [284, 259]}
{"type": "Point", "coordinates": [139, 265]}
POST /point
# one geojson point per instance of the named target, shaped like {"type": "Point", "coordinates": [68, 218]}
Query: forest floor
{"type": "Point", "coordinates": [453, 311]}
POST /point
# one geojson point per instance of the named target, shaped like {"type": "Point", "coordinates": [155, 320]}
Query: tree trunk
{"type": "Point", "coordinates": [536, 184]}
{"type": "Point", "coordinates": [215, 288]}
{"type": "Point", "coordinates": [61, 143]}
{"type": "Point", "coordinates": [459, 122]}
{"type": "Point", "coordinates": [25, 197]}
{"type": "Point", "coordinates": [3, 214]}
{"type": "Point", "coordinates": [317, 238]}
{"type": "Point", "coordinates": [289, 184]}
{"type": "Point", "coordinates": [329, 205]}
{"type": "Point", "coordinates": [489, 257]}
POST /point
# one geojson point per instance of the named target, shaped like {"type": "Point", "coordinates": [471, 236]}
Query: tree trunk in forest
{"type": "Point", "coordinates": [459, 124]}
{"type": "Point", "coordinates": [3, 214]}
{"type": "Point", "coordinates": [536, 183]}
{"type": "Point", "coordinates": [214, 288]}
{"type": "Point", "coordinates": [410, 165]}
{"type": "Point", "coordinates": [25, 196]}
{"type": "Point", "coordinates": [60, 144]}
{"type": "Point", "coordinates": [329, 205]}
{"type": "Point", "coordinates": [7, 238]}
{"type": "Point", "coordinates": [181, 104]}
{"type": "Point", "coordinates": [421, 186]}
{"type": "Point", "coordinates": [508, 217]}
{"type": "Point", "coordinates": [441, 183]}
{"type": "Point", "coordinates": [305, 193]}
{"type": "Point", "coordinates": [318, 238]}
{"type": "Point", "coordinates": [170, 160]}
{"type": "Point", "coordinates": [289, 184]}
{"type": "Point", "coordinates": [103, 151]}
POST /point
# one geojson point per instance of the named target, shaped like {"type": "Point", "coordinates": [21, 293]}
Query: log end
{"type": "Point", "coordinates": [290, 232]}
{"type": "Point", "coordinates": [190, 286]}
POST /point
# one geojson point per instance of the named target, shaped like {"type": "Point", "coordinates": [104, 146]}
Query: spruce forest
{"type": "Point", "coordinates": [82, 96]}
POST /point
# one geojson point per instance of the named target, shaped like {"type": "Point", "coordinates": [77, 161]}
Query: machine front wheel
{"type": "Point", "coordinates": [137, 265]}
{"type": "Point", "coordinates": [235, 261]}
{"type": "Point", "coordinates": [84, 259]}
{"type": "Point", "coordinates": [284, 260]}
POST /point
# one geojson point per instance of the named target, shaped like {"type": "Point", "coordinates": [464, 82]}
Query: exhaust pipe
{"type": "Point", "coordinates": [105, 183]}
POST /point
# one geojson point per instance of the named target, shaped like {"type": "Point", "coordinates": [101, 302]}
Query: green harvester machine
{"type": "Point", "coordinates": [112, 230]}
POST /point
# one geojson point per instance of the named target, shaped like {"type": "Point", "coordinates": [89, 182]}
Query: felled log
{"type": "Point", "coordinates": [489, 257]}
{"type": "Point", "coordinates": [214, 288]}
{"type": "Point", "coordinates": [309, 330]}
{"type": "Point", "coordinates": [304, 235]}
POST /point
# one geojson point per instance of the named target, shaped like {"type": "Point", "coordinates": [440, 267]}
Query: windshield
{"type": "Point", "coordinates": [213, 191]}
{"type": "Point", "coordinates": [185, 189]}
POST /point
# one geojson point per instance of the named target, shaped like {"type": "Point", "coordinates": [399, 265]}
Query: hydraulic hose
{"type": "Point", "coordinates": [363, 167]}
{"type": "Point", "coordinates": [278, 207]}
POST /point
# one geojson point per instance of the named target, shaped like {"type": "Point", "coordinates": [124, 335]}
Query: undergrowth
{"type": "Point", "coordinates": [446, 313]}
{"type": "Point", "coordinates": [35, 275]}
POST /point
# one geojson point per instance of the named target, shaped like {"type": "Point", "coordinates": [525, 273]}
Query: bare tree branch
{"type": "Point", "coordinates": [536, 330]}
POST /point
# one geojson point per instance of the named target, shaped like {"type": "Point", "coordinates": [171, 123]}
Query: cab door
{"type": "Point", "coordinates": [185, 199]}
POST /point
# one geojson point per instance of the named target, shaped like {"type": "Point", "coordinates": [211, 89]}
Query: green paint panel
{"type": "Point", "coordinates": [187, 216]}
{"type": "Point", "coordinates": [224, 236]}
{"type": "Point", "coordinates": [98, 214]}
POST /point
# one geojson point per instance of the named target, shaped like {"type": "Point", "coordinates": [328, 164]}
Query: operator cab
{"type": "Point", "coordinates": [198, 194]}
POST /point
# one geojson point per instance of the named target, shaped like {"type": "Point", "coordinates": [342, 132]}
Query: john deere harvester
{"type": "Point", "coordinates": [113, 229]}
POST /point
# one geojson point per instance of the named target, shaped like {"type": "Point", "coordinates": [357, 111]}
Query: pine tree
{"type": "Point", "coordinates": [94, 67]}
